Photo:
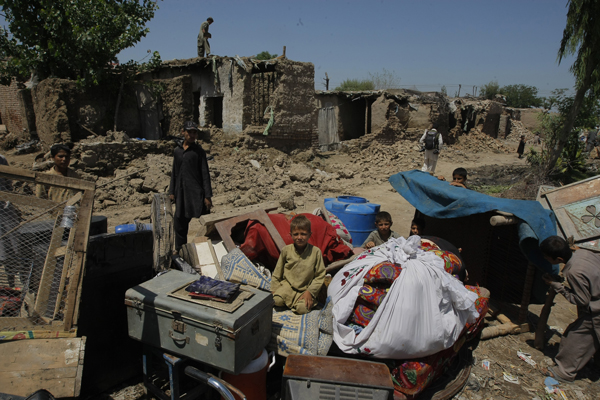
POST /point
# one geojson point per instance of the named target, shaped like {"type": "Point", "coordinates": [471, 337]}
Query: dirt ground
{"type": "Point", "coordinates": [360, 170]}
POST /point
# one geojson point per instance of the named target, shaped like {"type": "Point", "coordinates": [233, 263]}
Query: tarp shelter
{"type": "Point", "coordinates": [495, 257]}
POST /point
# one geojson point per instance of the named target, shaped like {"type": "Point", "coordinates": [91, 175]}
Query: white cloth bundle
{"type": "Point", "coordinates": [424, 311]}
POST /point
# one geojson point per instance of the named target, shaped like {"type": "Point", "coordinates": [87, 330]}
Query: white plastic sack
{"type": "Point", "coordinates": [423, 313]}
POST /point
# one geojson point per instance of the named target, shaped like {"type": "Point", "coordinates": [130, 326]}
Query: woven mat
{"type": "Point", "coordinates": [230, 306]}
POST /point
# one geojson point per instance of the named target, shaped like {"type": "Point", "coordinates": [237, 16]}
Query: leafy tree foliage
{"type": "Point", "coordinates": [384, 80]}
{"type": "Point", "coordinates": [581, 36]}
{"type": "Point", "coordinates": [521, 96]}
{"type": "Point", "coordinates": [73, 39]}
{"type": "Point", "coordinates": [490, 90]}
{"type": "Point", "coordinates": [356, 85]}
{"type": "Point", "coordinates": [571, 163]}
{"type": "Point", "coordinates": [444, 91]}
{"type": "Point", "coordinates": [265, 55]}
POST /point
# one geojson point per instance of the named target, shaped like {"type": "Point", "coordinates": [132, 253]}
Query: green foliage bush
{"type": "Point", "coordinates": [356, 85]}
{"type": "Point", "coordinates": [265, 55]}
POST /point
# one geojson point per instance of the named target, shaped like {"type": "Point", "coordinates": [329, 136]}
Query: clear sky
{"type": "Point", "coordinates": [426, 43]}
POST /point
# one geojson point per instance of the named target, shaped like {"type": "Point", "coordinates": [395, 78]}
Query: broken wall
{"type": "Point", "coordinates": [16, 110]}
{"type": "Point", "coordinates": [66, 113]}
{"type": "Point", "coordinates": [294, 111]}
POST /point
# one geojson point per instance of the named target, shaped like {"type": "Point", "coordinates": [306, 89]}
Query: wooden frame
{"type": "Point", "coordinates": [224, 228]}
{"type": "Point", "coordinates": [78, 238]}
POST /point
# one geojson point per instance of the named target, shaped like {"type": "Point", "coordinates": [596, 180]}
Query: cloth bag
{"type": "Point", "coordinates": [424, 312]}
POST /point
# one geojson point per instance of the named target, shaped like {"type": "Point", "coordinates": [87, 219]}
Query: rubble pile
{"type": "Point", "coordinates": [516, 130]}
{"type": "Point", "coordinates": [478, 142]}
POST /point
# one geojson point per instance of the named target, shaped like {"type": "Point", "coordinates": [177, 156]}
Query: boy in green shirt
{"type": "Point", "coordinates": [300, 271]}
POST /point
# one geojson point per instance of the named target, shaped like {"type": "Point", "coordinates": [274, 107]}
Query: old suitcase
{"type": "Point", "coordinates": [160, 313]}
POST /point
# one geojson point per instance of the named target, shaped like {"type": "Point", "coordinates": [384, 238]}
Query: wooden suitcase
{"type": "Point", "coordinates": [225, 335]}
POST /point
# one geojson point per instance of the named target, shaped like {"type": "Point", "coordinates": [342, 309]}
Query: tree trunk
{"type": "Point", "coordinates": [571, 117]}
{"type": "Point", "coordinates": [118, 102]}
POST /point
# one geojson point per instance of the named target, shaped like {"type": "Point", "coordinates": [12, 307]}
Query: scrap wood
{"type": "Point", "coordinates": [209, 220]}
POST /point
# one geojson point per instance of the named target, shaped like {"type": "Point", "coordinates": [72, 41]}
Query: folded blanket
{"type": "Point", "coordinates": [213, 287]}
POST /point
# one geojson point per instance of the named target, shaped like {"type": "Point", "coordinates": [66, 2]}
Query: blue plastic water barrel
{"type": "Point", "coordinates": [356, 213]}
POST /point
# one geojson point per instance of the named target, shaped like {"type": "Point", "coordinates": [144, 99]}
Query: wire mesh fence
{"type": "Point", "coordinates": [37, 238]}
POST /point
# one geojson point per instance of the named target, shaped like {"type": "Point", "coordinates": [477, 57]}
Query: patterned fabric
{"type": "Point", "coordinates": [363, 313]}
{"type": "Point", "coordinates": [340, 228]}
{"type": "Point", "coordinates": [411, 377]}
{"type": "Point", "coordinates": [238, 268]}
{"type": "Point", "coordinates": [452, 264]}
{"type": "Point", "coordinates": [310, 333]}
{"type": "Point", "coordinates": [213, 287]}
{"type": "Point", "coordinates": [384, 273]}
{"type": "Point", "coordinates": [428, 245]}
{"type": "Point", "coordinates": [372, 295]}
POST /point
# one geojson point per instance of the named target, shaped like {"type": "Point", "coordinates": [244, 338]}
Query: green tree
{"type": "Point", "coordinates": [384, 80]}
{"type": "Point", "coordinates": [265, 55]}
{"type": "Point", "coordinates": [356, 85]}
{"type": "Point", "coordinates": [490, 90]}
{"type": "Point", "coordinates": [72, 39]}
{"type": "Point", "coordinates": [521, 96]}
{"type": "Point", "coordinates": [581, 36]}
{"type": "Point", "coordinates": [444, 91]}
{"type": "Point", "coordinates": [571, 163]}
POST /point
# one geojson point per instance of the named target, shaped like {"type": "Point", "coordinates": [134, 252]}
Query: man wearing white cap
{"type": "Point", "coordinates": [432, 143]}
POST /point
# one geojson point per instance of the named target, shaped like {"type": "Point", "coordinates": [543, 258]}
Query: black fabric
{"type": "Point", "coordinates": [180, 226]}
{"type": "Point", "coordinates": [431, 141]}
{"type": "Point", "coordinates": [190, 181]}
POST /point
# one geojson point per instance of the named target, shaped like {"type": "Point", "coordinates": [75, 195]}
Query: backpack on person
{"type": "Point", "coordinates": [432, 141]}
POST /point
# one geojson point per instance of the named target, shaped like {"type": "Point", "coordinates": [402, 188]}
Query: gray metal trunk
{"type": "Point", "coordinates": [228, 341]}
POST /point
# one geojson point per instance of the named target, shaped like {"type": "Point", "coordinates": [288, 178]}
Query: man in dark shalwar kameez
{"type": "Point", "coordinates": [190, 183]}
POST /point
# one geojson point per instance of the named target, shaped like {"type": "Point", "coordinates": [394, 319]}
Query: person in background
{"type": "Point", "coordinates": [61, 155]}
{"type": "Point", "coordinates": [190, 186]}
{"type": "Point", "coordinates": [417, 227]}
{"type": "Point", "coordinates": [581, 338]}
{"type": "Point", "coordinates": [521, 148]}
{"type": "Point", "coordinates": [300, 270]}
{"type": "Point", "coordinates": [432, 144]}
{"type": "Point", "coordinates": [383, 222]}
{"type": "Point", "coordinates": [203, 37]}
{"type": "Point", "coordinates": [459, 178]}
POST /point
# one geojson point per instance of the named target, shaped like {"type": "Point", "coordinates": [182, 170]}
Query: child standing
{"type": "Point", "coordinates": [300, 270]}
{"type": "Point", "coordinates": [521, 148]}
{"type": "Point", "coordinates": [581, 339]}
{"type": "Point", "coordinates": [383, 222]}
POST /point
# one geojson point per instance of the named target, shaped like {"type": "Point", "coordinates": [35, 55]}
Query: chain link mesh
{"type": "Point", "coordinates": [36, 249]}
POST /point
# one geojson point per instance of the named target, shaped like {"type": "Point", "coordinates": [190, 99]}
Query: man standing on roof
{"type": "Point", "coordinates": [190, 183]}
{"type": "Point", "coordinates": [203, 37]}
{"type": "Point", "coordinates": [432, 143]}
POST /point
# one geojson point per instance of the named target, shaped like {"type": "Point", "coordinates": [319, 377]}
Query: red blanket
{"type": "Point", "coordinates": [259, 246]}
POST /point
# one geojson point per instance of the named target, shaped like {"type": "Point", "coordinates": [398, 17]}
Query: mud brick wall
{"type": "Point", "coordinates": [16, 110]}
{"type": "Point", "coordinates": [177, 103]}
{"type": "Point", "coordinates": [61, 108]}
{"type": "Point", "coordinates": [295, 112]}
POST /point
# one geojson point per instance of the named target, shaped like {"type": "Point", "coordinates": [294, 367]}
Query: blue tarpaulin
{"type": "Point", "coordinates": [438, 199]}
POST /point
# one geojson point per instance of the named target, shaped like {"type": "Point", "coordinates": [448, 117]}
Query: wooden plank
{"type": "Point", "coordinates": [16, 173]}
{"type": "Point", "coordinates": [82, 227]}
{"type": "Point", "coordinates": [30, 334]}
{"type": "Point", "coordinates": [18, 323]}
{"type": "Point", "coordinates": [209, 220]}
{"type": "Point", "coordinates": [41, 301]}
{"type": "Point", "coordinates": [571, 194]}
{"type": "Point", "coordinates": [28, 201]}
{"type": "Point", "coordinates": [51, 364]}
{"type": "Point", "coordinates": [224, 228]}
{"type": "Point", "coordinates": [66, 268]}
{"type": "Point", "coordinates": [64, 182]}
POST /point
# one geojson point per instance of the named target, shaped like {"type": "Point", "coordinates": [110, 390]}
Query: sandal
{"type": "Point", "coordinates": [550, 372]}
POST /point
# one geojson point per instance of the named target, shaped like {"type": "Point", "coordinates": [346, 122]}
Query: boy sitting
{"type": "Point", "coordinates": [300, 270]}
{"type": "Point", "coordinates": [383, 222]}
{"type": "Point", "coordinates": [417, 227]}
{"type": "Point", "coordinates": [581, 339]}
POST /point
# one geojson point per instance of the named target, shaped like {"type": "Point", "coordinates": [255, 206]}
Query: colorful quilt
{"type": "Point", "coordinates": [238, 268]}
{"type": "Point", "coordinates": [310, 333]}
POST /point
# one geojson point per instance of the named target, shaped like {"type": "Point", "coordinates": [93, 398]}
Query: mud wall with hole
{"type": "Point", "coordinates": [295, 113]}
{"type": "Point", "coordinates": [63, 111]}
{"type": "Point", "coordinates": [16, 110]}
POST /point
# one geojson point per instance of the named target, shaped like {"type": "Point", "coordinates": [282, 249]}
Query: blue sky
{"type": "Point", "coordinates": [426, 43]}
